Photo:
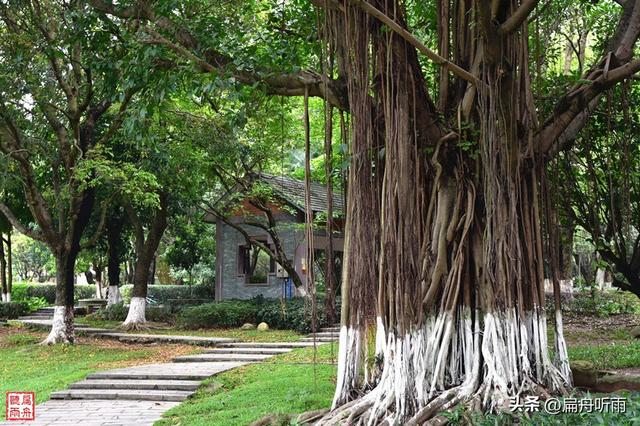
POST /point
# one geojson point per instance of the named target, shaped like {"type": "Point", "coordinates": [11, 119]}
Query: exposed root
{"type": "Point", "coordinates": [136, 319]}
{"type": "Point", "coordinates": [449, 362]}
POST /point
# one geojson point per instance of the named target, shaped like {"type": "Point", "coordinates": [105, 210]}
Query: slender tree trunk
{"type": "Point", "coordinates": [9, 267]}
{"type": "Point", "coordinates": [3, 272]}
{"type": "Point", "coordinates": [145, 254]}
{"type": "Point", "coordinates": [114, 236]}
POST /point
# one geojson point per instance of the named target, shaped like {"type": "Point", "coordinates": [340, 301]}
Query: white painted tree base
{"type": "Point", "coordinates": [480, 360]}
{"type": "Point", "coordinates": [6, 297]}
{"type": "Point", "coordinates": [114, 296]}
{"type": "Point", "coordinates": [136, 316]}
{"type": "Point", "coordinates": [62, 330]}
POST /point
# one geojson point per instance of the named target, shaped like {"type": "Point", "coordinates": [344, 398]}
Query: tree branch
{"type": "Point", "coordinates": [18, 225]}
{"type": "Point", "coordinates": [518, 17]}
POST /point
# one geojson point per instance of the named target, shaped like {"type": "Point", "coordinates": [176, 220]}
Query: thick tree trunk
{"type": "Point", "coordinates": [460, 285]}
{"type": "Point", "coordinates": [62, 329]}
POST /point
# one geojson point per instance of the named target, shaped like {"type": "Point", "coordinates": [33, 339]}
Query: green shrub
{"type": "Point", "coordinates": [11, 310]}
{"type": "Point", "coordinates": [230, 313]}
{"type": "Point", "coordinates": [115, 312]}
{"type": "Point", "coordinates": [118, 312]}
{"type": "Point", "coordinates": [291, 314]}
{"type": "Point", "coordinates": [604, 303]}
{"type": "Point", "coordinates": [172, 294]}
{"type": "Point", "coordinates": [20, 292]}
{"type": "Point", "coordinates": [32, 304]}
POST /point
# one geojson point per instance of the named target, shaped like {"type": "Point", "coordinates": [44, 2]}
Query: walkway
{"type": "Point", "coordinates": [139, 395]}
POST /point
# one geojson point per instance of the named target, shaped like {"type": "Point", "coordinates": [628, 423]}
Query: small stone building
{"type": "Point", "coordinates": [245, 271]}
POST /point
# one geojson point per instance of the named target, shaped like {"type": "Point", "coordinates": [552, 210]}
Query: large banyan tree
{"type": "Point", "coordinates": [448, 218]}
{"type": "Point", "coordinates": [461, 202]}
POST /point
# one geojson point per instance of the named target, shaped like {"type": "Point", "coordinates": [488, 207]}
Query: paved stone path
{"type": "Point", "coordinates": [139, 395]}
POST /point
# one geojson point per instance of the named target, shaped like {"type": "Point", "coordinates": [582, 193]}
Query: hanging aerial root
{"type": "Point", "coordinates": [480, 361]}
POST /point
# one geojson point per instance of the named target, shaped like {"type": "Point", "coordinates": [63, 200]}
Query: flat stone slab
{"type": "Point", "coordinates": [320, 339]}
{"type": "Point", "coordinates": [249, 350]}
{"type": "Point", "coordinates": [167, 371]}
{"type": "Point", "coordinates": [123, 394]}
{"type": "Point", "coordinates": [290, 345]}
{"type": "Point", "coordinates": [184, 385]}
{"type": "Point", "coordinates": [166, 338]}
{"type": "Point", "coordinates": [97, 412]}
{"type": "Point", "coordinates": [222, 358]}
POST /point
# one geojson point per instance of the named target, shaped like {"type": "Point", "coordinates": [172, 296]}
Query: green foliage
{"type": "Point", "coordinates": [609, 356]}
{"type": "Point", "coordinates": [32, 304]}
{"type": "Point", "coordinates": [292, 314]}
{"type": "Point", "coordinates": [230, 313]}
{"type": "Point", "coordinates": [604, 303]}
{"type": "Point", "coordinates": [173, 294]}
{"type": "Point", "coordinates": [118, 312]}
{"type": "Point", "coordinates": [12, 310]}
{"type": "Point", "coordinates": [279, 314]}
{"type": "Point", "coordinates": [630, 417]}
{"type": "Point", "coordinates": [47, 292]}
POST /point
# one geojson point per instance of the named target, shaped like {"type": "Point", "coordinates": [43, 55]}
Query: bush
{"type": "Point", "coordinates": [20, 292]}
{"type": "Point", "coordinates": [604, 303]}
{"type": "Point", "coordinates": [230, 313]}
{"type": "Point", "coordinates": [172, 294]}
{"type": "Point", "coordinates": [118, 312]}
{"type": "Point", "coordinates": [284, 315]}
{"type": "Point", "coordinates": [32, 304]}
{"type": "Point", "coordinates": [291, 314]}
{"type": "Point", "coordinates": [11, 310]}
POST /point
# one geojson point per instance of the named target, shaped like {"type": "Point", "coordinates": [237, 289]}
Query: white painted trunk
{"type": "Point", "coordinates": [98, 290]}
{"type": "Point", "coordinates": [349, 357]}
{"type": "Point", "coordinates": [562, 356]}
{"type": "Point", "coordinates": [136, 314]}
{"type": "Point", "coordinates": [480, 359]}
{"type": "Point", "coordinates": [62, 330]}
{"type": "Point", "coordinates": [114, 295]}
{"type": "Point", "coordinates": [7, 297]}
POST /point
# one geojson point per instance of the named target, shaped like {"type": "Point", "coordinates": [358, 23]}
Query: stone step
{"type": "Point", "coordinates": [182, 385]}
{"type": "Point", "coordinates": [330, 329]}
{"type": "Point", "coordinates": [320, 339]}
{"type": "Point", "coordinates": [248, 350]}
{"type": "Point", "coordinates": [127, 394]}
{"type": "Point", "coordinates": [288, 345]}
{"type": "Point", "coordinates": [35, 317]}
{"type": "Point", "coordinates": [325, 334]}
{"type": "Point", "coordinates": [166, 371]}
{"type": "Point", "coordinates": [166, 338]}
{"type": "Point", "coordinates": [222, 358]}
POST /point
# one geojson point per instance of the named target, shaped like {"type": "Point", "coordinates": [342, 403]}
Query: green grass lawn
{"type": "Point", "coordinates": [27, 366]}
{"type": "Point", "coordinates": [286, 384]}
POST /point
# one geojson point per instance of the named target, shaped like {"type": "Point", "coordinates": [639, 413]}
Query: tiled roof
{"type": "Point", "coordinates": [293, 192]}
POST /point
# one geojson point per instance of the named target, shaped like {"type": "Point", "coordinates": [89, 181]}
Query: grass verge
{"type": "Point", "coordinates": [286, 384]}
{"type": "Point", "coordinates": [27, 366]}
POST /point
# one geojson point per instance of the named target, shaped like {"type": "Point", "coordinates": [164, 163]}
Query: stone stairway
{"type": "Point", "coordinates": [139, 395]}
{"type": "Point", "coordinates": [40, 314]}
{"type": "Point", "coordinates": [325, 335]}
